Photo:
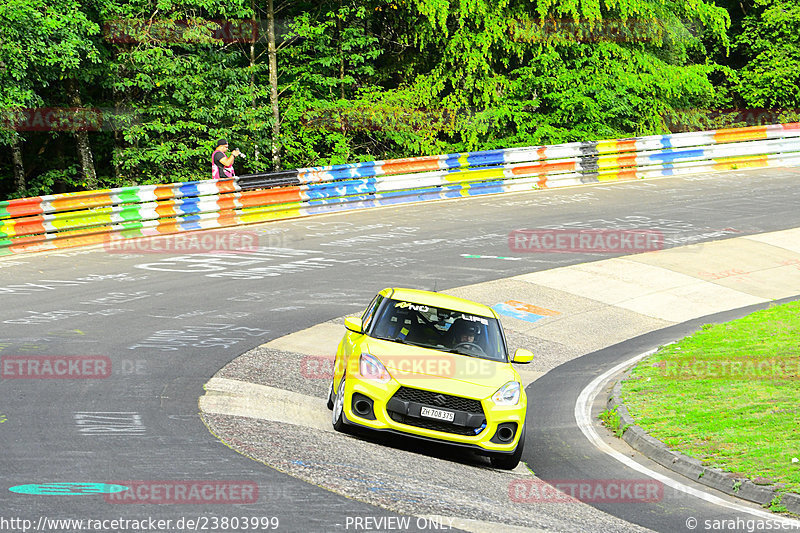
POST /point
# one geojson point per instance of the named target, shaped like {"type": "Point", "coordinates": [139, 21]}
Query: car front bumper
{"type": "Point", "coordinates": [403, 416]}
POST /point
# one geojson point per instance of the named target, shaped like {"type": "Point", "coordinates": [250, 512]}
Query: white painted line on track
{"type": "Point", "coordinates": [583, 417]}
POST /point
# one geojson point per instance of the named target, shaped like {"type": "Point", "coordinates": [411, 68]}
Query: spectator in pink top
{"type": "Point", "coordinates": [222, 165]}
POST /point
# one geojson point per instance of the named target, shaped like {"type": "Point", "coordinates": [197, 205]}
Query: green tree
{"type": "Point", "coordinates": [770, 43]}
{"type": "Point", "coordinates": [44, 48]}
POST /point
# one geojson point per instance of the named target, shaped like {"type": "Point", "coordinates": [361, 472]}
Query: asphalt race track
{"type": "Point", "coordinates": [153, 326]}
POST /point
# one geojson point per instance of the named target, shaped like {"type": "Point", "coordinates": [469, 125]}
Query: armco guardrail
{"type": "Point", "coordinates": [92, 217]}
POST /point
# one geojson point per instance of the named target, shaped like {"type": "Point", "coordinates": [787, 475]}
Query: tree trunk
{"type": "Point", "coordinates": [82, 140]}
{"type": "Point", "coordinates": [273, 87]}
{"type": "Point", "coordinates": [339, 51]}
{"type": "Point", "coordinates": [253, 38]}
{"type": "Point", "coordinates": [19, 168]}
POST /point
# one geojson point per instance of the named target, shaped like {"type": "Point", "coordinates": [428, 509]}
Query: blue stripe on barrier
{"type": "Point", "coordinates": [189, 205]}
{"type": "Point", "coordinates": [188, 189]}
{"type": "Point", "coordinates": [337, 199]}
{"type": "Point", "coordinates": [488, 157]}
{"type": "Point", "coordinates": [407, 192]}
{"type": "Point", "coordinates": [487, 187]}
{"type": "Point", "coordinates": [191, 222]}
{"type": "Point", "coordinates": [452, 191]}
{"type": "Point", "coordinates": [451, 161]}
{"type": "Point", "coordinates": [673, 155]}
{"type": "Point", "coordinates": [340, 188]}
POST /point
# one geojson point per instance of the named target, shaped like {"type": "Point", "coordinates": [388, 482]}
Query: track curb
{"type": "Point", "coordinates": [740, 487]}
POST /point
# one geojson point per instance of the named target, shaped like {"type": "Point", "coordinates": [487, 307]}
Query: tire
{"type": "Point", "coordinates": [330, 396]}
{"type": "Point", "coordinates": [510, 461]}
{"type": "Point", "coordinates": [338, 417]}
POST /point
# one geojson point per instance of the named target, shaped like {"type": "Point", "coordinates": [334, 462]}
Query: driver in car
{"type": "Point", "coordinates": [469, 332]}
{"type": "Point", "coordinates": [465, 332]}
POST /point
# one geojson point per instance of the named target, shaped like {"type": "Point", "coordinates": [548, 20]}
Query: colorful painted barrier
{"type": "Point", "coordinates": [93, 217]}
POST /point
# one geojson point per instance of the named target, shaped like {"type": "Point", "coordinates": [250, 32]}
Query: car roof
{"type": "Point", "coordinates": [436, 299]}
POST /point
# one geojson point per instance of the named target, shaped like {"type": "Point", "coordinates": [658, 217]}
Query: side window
{"type": "Point", "coordinates": [369, 314]}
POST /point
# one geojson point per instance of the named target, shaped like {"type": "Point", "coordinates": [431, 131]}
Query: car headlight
{"type": "Point", "coordinates": [508, 394]}
{"type": "Point", "coordinates": [371, 368]}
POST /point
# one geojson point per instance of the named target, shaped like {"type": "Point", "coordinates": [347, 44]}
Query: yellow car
{"type": "Point", "coordinates": [435, 367]}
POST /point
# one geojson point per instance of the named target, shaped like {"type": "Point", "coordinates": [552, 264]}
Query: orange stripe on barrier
{"type": "Point", "coordinates": [97, 199]}
{"type": "Point", "coordinates": [627, 145]}
{"type": "Point", "coordinates": [28, 239]}
{"type": "Point", "coordinates": [84, 240]}
{"type": "Point", "coordinates": [541, 152]}
{"type": "Point", "coordinates": [740, 134]}
{"type": "Point", "coordinates": [270, 196]}
{"type": "Point", "coordinates": [225, 186]}
{"type": "Point", "coordinates": [227, 202]}
{"type": "Point", "coordinates": [538, 168]}
{"type": "Point", "coordinates": [165, 209]}
{"type": "Point", "coordinates": [628, 160]}
{"type": "Point", "coordinates": [163, 192]}
{"type": "Point", "coordinates": [168, 226]}
{"type": "Point", "coordinates": [401, 167]}
{"type": "Point", "coordinates": [24, 206]}
{"type": "Point", "coordinates": [228, 218]}
{"type": "Point", "coordinates": [29, 226]}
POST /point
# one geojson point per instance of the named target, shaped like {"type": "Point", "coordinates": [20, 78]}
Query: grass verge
{"type": "Point", "coordinates": [728, 395]}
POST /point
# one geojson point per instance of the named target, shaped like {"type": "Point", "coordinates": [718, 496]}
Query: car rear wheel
{"type": "Point", "coordinates": [510, 461]}
{"type": "Point", "coordinates": [339, 419]}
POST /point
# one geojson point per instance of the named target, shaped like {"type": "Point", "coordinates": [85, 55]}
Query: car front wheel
{"type": "Point", "coordinates": [339, 419]}
{"type": "Point", "coordinates": [330, 396]}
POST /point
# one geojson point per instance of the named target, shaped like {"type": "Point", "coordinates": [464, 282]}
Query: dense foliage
{"type": "Point", "coordinates": [104, 93]}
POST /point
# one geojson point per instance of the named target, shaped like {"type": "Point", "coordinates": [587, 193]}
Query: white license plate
{"type": "Point", "coordinates": [438, 414]}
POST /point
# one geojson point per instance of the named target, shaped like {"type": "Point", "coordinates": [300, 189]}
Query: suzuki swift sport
{"type": "Point", "coordinates": [435, 367]}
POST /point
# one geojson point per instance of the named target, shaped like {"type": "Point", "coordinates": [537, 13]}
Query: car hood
{"type": "Point", "coordinates": [449, 373]}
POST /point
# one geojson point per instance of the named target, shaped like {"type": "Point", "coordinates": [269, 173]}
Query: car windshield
{"type": "Point", "coordinates": [439, 329]}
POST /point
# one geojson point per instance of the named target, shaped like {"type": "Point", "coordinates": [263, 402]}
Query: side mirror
{"type": "Point", "coordinates": [522, 356]}
{"type": "Point", "coordinates": [354, 324]}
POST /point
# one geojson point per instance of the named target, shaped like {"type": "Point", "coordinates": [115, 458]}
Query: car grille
{"type": "Point", "coordinates": [436, 399]}
{"type": "Point", "coordinates": [424, 423]}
